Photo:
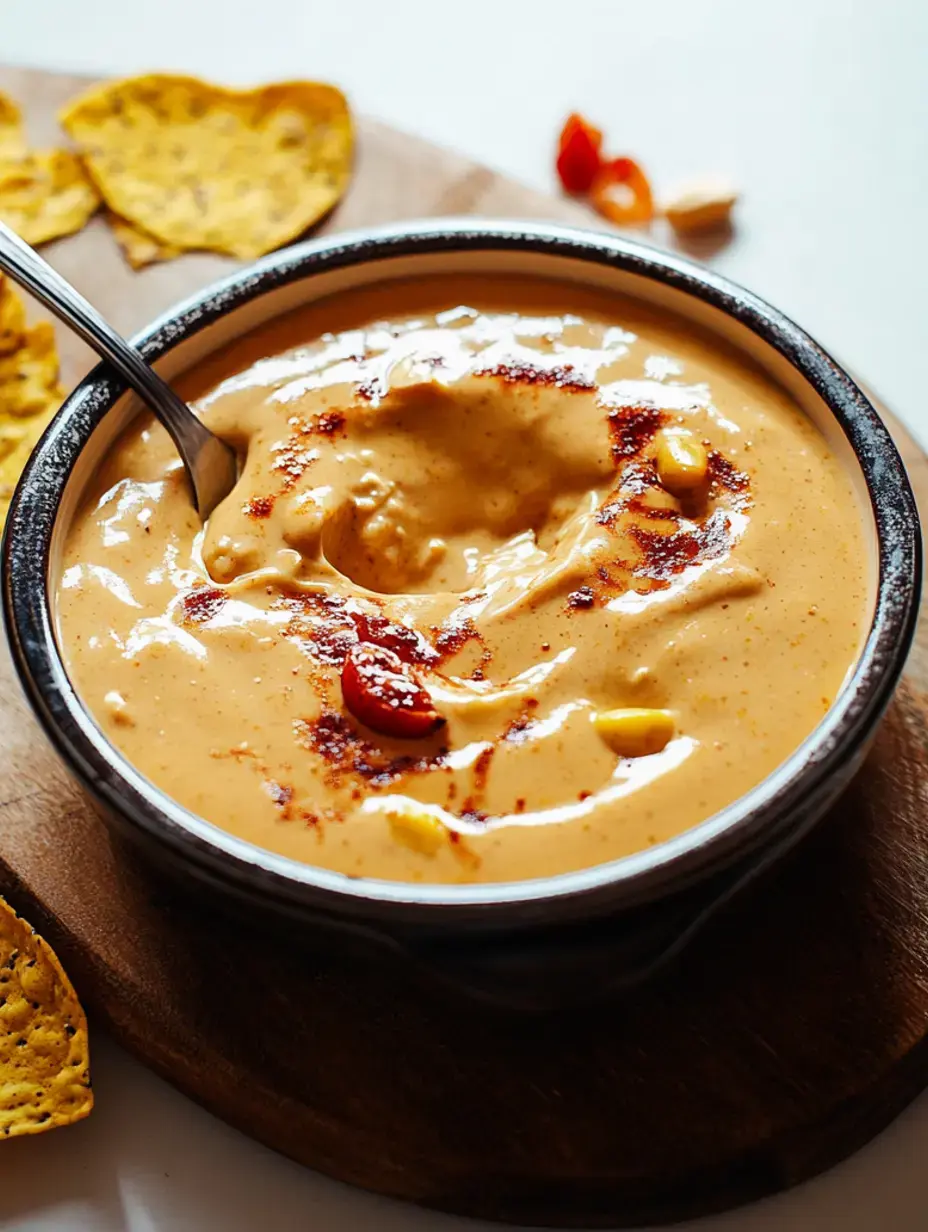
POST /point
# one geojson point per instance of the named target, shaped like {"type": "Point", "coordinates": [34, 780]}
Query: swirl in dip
{"type": "Point", "coordinates": [518, 578]}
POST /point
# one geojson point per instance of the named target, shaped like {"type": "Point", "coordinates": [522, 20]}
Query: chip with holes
{"type": "Point", "coordinates": [199, 166]}
{"type": "Point", "coordinates": [44, 1055]}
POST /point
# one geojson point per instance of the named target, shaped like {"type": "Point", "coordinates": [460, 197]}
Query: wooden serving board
{"type": "Point", "coordinates": [790, 1032]}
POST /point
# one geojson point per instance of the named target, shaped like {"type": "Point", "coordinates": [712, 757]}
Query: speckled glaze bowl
{"type": "Point", "coordinates": [532, 943]}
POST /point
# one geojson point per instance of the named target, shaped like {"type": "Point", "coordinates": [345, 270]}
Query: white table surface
{"type": "Point", "coordinates": [819, 110]}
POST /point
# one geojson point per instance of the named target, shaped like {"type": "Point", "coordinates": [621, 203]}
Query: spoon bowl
{"type": "Point", "coordinates": [537, 943]}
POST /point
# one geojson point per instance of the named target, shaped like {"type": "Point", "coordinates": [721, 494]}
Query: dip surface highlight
{"type": "Point", "coordinates": [519, 507]}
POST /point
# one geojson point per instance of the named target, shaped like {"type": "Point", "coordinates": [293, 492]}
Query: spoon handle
{"type": "Point", "coordinates": [200, 450]}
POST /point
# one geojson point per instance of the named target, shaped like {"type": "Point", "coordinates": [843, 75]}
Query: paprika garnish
{"type": "Point", "coordinates": [579, 156]}
{"type": "Point", "coordinates": [622, 193]}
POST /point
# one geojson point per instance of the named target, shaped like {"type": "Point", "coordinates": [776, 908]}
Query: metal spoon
{"type": "Point", "coordinates": [209, 462]}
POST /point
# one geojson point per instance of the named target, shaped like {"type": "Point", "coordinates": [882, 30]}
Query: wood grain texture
{"type": "Point", "coordinates": [790, 1032]}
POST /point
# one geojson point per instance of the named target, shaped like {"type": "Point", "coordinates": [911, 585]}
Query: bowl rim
{"type": "Point", "coordinates": [746, 824]}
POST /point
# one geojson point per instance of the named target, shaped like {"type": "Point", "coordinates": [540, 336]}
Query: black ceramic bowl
{"type": "Point", "coordinates": [530, 942]}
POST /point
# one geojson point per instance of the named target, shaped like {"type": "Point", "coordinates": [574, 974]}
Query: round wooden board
{"type": "Point", "coordinates": [790, 1032]}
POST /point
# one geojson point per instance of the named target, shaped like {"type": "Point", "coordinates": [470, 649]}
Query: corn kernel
{"type": "Point", "coordinates": [418, 829]}
{"type": "Point", "coordinates": [635, 732]}
{"type": "Point", "coordinates": [682, 463]}
{"type": "Point", "coordinates": [700, 206]}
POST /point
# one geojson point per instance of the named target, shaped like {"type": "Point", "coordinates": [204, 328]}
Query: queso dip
{"type": "Point", "coordinates": [518, 578]}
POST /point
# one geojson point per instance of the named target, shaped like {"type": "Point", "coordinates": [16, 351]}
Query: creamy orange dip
{"type": "Point", "coordinates": [518, 578]}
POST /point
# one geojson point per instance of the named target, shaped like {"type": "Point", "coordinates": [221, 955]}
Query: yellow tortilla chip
{"type": "Point", "coordinates": [46, 194]}
{"type": "Point", "coordinates": [29, 375]}
{"type": "Point", "coordinates": [12, 137]}
{"type": "Point", "coordinates": [29, 390]}
{"type": "Point", "coordinates": [198, 166]}
{"type": "Point", "coordinates": [138, 246]}
{"type": "Point", "coordinates": [12, 318]}
{"type": "Point", "coordinates": [17, 441]}
{"type": "Point", "coordinates": [44, 1056]}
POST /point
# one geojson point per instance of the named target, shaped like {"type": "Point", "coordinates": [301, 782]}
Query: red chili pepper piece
{"type": "Point", "coordinates": [578, 154]}
{"type": "Point", "coordinates": [634, 203]}
{"type": "Point", "coordinates": [383, 692]}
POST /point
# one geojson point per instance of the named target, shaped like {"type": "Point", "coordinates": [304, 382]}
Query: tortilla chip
{"type": "Point", "coordinates": [12, 137]}
{"type": "Point", "coordinates": [12, 318]}
{"type": "Point", "coordinates": [138, 246]}
{"type": "Point", "coordinates": [198, 166]}
{"type": "Point", "coordinates": [29, 390]}
{"type": "Point", "coordinates": [44, 1056]}
{"type": "Point", "coordinates": [17, 441]}
{"type": "Point", "coordinates": [29, 375]}
{"type": "Point", "coordinates": [46, 194]}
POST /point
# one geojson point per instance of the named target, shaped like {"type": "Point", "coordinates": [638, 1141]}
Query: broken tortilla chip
{"type": "Point", "coordinates": [138, 246]}
{"type": "Point", "coordinates": [29, 390]}
{"type": "Point", "coordinates": [12, 137]}
{"type": "Point", "coordinates": [198, 166]}
{"type": "Point", "coordinates": [17, 441]}
{"type": "Point", "coordinates": [12, 318]}
{"type": "Point", "coordinates": [45, 194]}
{"type": "Point", "coordinates": [44, 1055]}
{"type": "Point", "coordinates": [29, 375]}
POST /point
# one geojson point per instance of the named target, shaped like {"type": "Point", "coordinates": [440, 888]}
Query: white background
{"type": "Point", "coordinates": [819, 110]}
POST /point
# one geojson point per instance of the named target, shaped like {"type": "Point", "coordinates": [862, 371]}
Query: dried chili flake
{"type": "Point", "coordinates": [382, 691]}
